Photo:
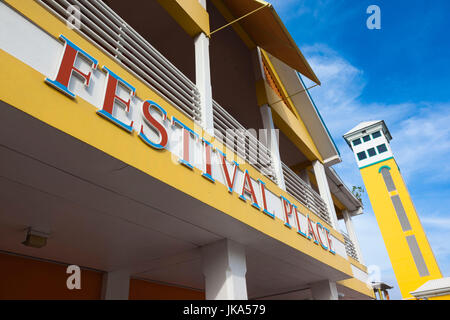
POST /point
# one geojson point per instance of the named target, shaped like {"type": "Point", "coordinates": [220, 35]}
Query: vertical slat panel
{"type": "Point", "coordinates": [296, 187]}
{"type": "Point", "coordinates": [242, 142]}
{"type": "Point", "coordinates": [350, 247]}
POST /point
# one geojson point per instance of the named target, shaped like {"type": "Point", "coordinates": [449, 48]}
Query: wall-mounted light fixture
{"type": "Point", "coordinates": [35, 239]}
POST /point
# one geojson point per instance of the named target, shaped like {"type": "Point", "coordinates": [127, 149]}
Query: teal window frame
{"type": "Point", "coordinates": [374, 152]}
{"type": "Point", "coordinates": [356, 142]}
{"type": "Point", "coordinates": [359, 155]}
{"type": "Point", "coordinates": [378, 133]}
{"type": "Point", "coordinates": [382, 145]}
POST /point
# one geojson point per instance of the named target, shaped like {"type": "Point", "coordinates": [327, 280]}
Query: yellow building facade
{"type": "Point", "coordinates": [406, 243]}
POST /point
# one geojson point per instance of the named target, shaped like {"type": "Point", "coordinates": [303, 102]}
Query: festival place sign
{"type": "Point", "coordinates": [159, 131]}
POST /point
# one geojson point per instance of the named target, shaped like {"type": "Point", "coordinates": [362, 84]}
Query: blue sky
{"type": "Point", "coordinates": [399, 74]}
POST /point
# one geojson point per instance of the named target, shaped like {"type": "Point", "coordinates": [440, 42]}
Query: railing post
{"type": "Point", "coordinates": [303, 174]}
{"type": "Point", "coordinates": [272, 144]}
{"type": "Point", "coordinates": [352, 234]}
{"type": "Point", "coordinates": [324, 190]}
{"type": "Point", "coordinates": [203, 79]}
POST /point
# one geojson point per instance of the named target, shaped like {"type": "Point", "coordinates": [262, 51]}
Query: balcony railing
{"type": "Point", "coordinates": [301, 191]}
{"type": "Point", "coordinates": [230, 132]}
{"type": "Point", "coordinates": [248, 147]}
{"type": "Point", "coordinates": [350, 247]}
{"type": "Point", "coordinates": [107, 30]}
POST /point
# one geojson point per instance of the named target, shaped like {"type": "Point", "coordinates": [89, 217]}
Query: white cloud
{"type": "Point", "coordinates": [422, 143]}
{"type": "Point", "coordinates": [437, 222]}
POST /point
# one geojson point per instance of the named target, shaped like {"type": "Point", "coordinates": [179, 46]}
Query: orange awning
{"type": "Point", "coordinates": [267, 31]}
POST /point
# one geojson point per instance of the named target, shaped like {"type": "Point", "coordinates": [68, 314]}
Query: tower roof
{"type": "Point", "coordinates": [367, 125]}
{"type": "Point", "coordinates": [363, 125]}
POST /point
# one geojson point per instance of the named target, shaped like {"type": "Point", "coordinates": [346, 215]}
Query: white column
{"type": "Point", "coordinates": [273, 143]}
{"type": "Point", "coordinates": [116, 285]}
{"type": "Point", "coordinates": [352, 234]}
{"type": "Point", "coordinates": [324, 290]}
{"type": "Point", "coordinates": [203, 79]}
{"type": "Point", "coordinates": [224, 268]}
{"type": "Point", "coordinates": [324, 190]}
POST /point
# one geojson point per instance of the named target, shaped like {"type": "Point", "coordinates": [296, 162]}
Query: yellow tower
{"type": "Point", "coordinates": [410, 253]}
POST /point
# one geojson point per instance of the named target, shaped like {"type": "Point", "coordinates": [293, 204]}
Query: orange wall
{"type": "Point", "coordinates": [25, 278]}
{"type": "Point", "coordinates": [144, 290]}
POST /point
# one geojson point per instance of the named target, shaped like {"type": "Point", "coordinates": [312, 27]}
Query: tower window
{"type": "Point", "coordinates": [376, 134]}
{"type": "Point", "coordinates": [417, 256]}
{"type": "Point", "coordinates": [366, 138]}
{"type": "Point", "coordinates": [362, 155]}
{"type": "Point", "coordinates": [356, 142]}
{"type": "Point", "coordinates": [382, 148]}
{"type": "Point", "coordinates": [388, 179]}
{"type": "Point", "coordinates": [372, 152]}
{"type": "Point", "coordinates": [401, 213]}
